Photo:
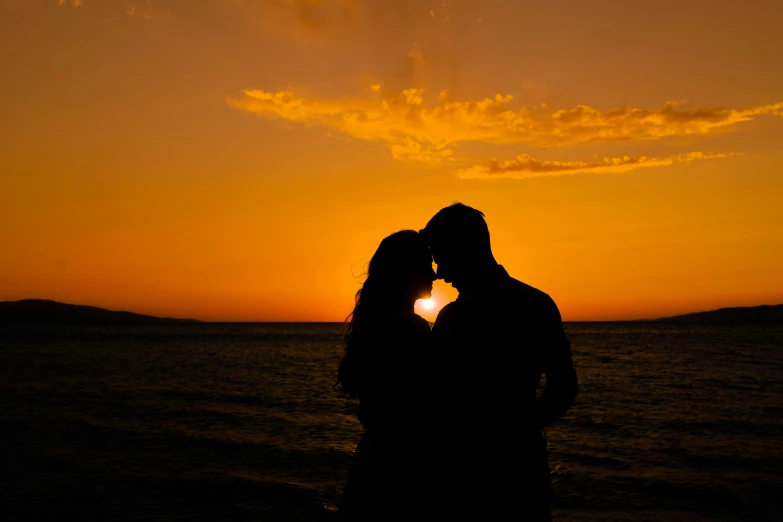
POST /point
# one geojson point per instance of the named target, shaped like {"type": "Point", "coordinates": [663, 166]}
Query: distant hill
{"type": "Point", "coordinates": [744, 314]}
{"type": "Point", "coordinates": [43, 311]}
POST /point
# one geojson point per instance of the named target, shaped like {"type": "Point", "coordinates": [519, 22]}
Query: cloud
{"type": "Point", "coordinates": [395, 120]}
{"type": "Point", "coordinates": [412, 150]}
{"type": "Point", "coordinates": [417, 131]}
{"type": "Point", "coordinates": [75, 3]}
{"type": "Point", "coordinates": [525, 166]}
{"type": "Point", "coordinates": [584, 123]}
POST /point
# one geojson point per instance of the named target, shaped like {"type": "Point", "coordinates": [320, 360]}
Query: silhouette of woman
{"type": "Point", "coordinates": [384, 366]}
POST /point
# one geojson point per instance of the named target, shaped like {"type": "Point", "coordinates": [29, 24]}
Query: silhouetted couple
{"type": "Point", "coordinates": [453, 425]}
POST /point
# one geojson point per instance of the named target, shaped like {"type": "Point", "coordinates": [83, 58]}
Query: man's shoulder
{"type": "Point", "coordinates": [531, 294]}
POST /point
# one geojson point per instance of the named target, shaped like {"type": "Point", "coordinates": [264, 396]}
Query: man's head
{"type": "Point", "coordinates": [458, 238]}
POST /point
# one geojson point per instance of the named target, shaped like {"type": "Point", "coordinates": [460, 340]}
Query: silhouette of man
{"type": "Point", "coordinates": [492, 344]}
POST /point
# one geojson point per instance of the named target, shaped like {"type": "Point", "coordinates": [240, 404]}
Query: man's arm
{"type": "Point", "coordinates": [561, 383]}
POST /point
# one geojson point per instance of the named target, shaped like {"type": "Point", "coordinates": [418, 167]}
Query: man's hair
{"type": "Point", "coordinates": [458, 224]}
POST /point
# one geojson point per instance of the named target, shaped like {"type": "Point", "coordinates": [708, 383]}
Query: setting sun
{"type": "Point", "coordinates": [427, 304]}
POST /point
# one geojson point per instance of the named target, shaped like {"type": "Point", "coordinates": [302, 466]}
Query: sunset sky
{"type": "Point", "coordinates": [240, 160]}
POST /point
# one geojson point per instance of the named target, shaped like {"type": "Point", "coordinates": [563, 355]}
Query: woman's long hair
{"type": "Point", "coordinates": [378, 304]}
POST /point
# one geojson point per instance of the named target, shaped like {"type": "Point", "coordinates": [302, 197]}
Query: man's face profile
{"type": "Point", "coordinates": [448, 268]}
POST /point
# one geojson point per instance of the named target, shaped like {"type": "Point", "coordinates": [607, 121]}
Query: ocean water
{"type": "Point", "coordinates": [221, 422]}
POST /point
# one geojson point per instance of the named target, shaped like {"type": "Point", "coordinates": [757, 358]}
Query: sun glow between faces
{"type": "Point", "coordinates": [442, 294]}
{"type": "Point", "coordinates": [427, 308]}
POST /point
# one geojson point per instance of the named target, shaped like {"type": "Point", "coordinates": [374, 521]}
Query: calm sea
{"type": "Point", "coordinates": [243, 422]}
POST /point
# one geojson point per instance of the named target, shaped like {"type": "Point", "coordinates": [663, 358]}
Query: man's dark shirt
{"type": "Point", "coordinates": [492, 345]}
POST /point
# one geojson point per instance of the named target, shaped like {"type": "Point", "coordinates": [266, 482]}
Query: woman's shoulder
{"type": "Point", "coordinates": [412, 324]}
{"type": "Point", "coordinates": [420, 324]}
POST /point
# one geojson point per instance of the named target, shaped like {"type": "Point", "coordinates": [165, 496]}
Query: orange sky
{"type": "Point", "coordinates": [241, 159]}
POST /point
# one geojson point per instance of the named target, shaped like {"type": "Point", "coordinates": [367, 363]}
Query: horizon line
{"type": "Point", "coordinates": [207, 321]}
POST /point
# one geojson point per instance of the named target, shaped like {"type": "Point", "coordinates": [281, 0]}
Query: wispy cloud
{"type": "Point", "coordinates": [584, 123]}
{"type": "Point", "coordinates": [74, 3]}
{"type": "Point", "coordinates": [525, 166]}
{"type": "Point", "coordinates": [417, 131]}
